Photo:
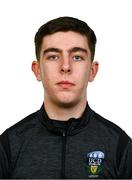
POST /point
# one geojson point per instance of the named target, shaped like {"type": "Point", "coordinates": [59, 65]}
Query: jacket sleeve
{"type": "Point", "coordinates": [125, 168]}
{"type": "Point", "coordinates": [4, 156]}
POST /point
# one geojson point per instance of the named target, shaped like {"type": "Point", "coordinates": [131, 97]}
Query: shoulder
{"type": "Point", "coordinates": [108, 126]}
{"type": "Point", "coordinates": [20, 130]}
{"type": "Point", "coordinates": [15, 135]}
{"type": "Point", "coordinates": [13, 138]}
{"type": "Point", "coordinates": [114, 135]}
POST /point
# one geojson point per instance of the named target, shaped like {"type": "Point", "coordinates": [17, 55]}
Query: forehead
{"type": "Point", "coordinates": [65, 40]}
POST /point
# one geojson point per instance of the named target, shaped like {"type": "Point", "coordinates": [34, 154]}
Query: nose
{"type": "Point", "coordinates": [66, 66]}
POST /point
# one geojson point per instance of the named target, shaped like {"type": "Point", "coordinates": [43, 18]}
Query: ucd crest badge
{"type": "Point", "coordinates": [95, 163]}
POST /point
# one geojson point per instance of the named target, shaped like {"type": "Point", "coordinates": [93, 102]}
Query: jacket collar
{"type": "Point", "coordinates": [70, 127]}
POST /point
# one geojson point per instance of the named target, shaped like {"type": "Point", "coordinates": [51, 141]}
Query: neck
{"type": "Point", "coordinates": [61, 113]}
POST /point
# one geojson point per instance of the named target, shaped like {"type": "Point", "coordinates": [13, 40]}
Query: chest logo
{"type": "Point", "coordinates": [95, 161]}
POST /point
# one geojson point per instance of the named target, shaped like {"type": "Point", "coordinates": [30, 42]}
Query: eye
{"type": "Point", "coordinates": [78, 58]}
{"type": "Point", "coordinates": [53, 57]}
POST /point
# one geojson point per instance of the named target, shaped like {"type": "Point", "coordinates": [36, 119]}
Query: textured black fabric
{"type": "Point", "coordinates": [5, 155]}
{"type": "Point", "coordinates": [89, 147]}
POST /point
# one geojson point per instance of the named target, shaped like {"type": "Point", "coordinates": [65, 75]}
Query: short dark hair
{"type": "Point", "coordinates": [65, 24]}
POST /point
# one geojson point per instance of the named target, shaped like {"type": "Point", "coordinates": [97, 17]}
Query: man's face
{"type": "Point", "coordinates": [65, 67]}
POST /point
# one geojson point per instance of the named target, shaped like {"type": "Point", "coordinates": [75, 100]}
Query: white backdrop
{"type": "Point", "coordinates": [110, 93]}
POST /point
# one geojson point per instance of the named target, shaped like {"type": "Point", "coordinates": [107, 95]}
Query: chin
{"type": "Point", "coordinates": [66, 104]}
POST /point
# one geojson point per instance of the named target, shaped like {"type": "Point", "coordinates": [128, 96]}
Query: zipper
{"type": "Point", "coordinates": [63, 159]}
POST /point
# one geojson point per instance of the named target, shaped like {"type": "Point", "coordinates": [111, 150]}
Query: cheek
{"type": "Point", "coordinates": [49, 69]}
{"type": "Point", "coordinates": [83, 75]}
{"type": "Point", "coordinates": [48, 76]}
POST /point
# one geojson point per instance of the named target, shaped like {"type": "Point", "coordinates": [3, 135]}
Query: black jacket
{"type": "Point", "coordinates": [85, 148]}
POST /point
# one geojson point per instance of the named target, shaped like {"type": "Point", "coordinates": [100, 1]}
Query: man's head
{"type": "Point", "coordinates": [64, 24]}
{"type": "Point", "coordinates": [65, 51]}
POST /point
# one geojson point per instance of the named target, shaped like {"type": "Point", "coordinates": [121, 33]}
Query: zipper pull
{"type": "Point", "coordinates": [64, 134]}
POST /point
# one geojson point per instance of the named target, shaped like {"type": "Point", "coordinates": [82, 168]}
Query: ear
{"type": "Point", "coordinates": [93, 70]}
{"type": "Point", "coordinates": [36, 70]}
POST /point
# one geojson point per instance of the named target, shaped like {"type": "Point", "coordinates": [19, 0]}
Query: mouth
{"type": "Point", "coordinates": [65, 84]}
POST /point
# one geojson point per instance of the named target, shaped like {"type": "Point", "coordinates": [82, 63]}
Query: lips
{"type": "Point", "coordinates": [65, 84]}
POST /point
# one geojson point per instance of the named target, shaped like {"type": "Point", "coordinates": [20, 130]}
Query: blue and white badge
{"type": "Point", "coordinates": [95, 161]}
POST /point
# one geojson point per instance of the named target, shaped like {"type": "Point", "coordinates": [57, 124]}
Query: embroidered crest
{"type": "Point", "coordinates": [95, 163]}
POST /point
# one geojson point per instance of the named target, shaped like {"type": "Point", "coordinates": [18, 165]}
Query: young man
{"type": "Point", "coordinates": [65, 138]}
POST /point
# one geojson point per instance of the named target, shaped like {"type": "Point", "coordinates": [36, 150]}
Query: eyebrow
{"type": "Point", "coordinates": [51, 50]}
{"type": "Point", "coordinates": [74, 49]}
